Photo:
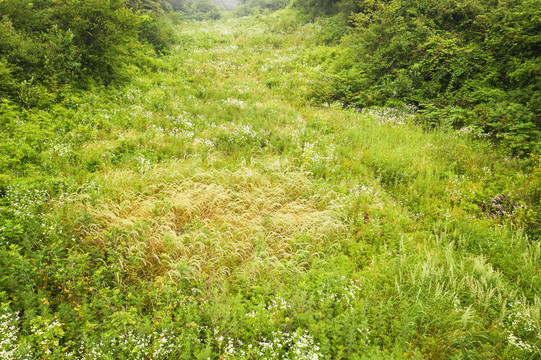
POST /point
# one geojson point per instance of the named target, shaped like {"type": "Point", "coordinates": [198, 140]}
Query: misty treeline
{"type": "Point", "coordinates": [48, 47]}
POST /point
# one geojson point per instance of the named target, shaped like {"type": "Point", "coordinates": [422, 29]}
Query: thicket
{"type": "Point", "coordinates": [198, 9]}
{"type": "Point", "coordinates": [48, 47]}
{"type": "Point", "coordinates": [460, 62]}
{"type": "Point", "coordinates": [252, 7]}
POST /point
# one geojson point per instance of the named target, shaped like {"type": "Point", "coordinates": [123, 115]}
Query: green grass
{"type": "Point", "coordinates": [210, 210]}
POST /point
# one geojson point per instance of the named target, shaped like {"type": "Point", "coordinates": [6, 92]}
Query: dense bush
{"type": "Point", "coordinates": [251, 7]}
{"type": "Point", "coordinates": [47, 44]}
{"type": "Point", "coordinates": [474, 55]}
{"type": "Point", "coordinates": [196, 9]}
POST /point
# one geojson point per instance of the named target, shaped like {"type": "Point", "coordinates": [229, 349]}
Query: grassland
{"type": "Point", "coordinates": [213, 209]}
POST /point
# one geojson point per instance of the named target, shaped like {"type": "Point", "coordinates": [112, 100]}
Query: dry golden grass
{"type": "Point", "coordinates": [184, 220]}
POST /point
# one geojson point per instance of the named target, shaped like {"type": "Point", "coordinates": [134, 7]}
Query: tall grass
{"type": "Point", "coordinates": [212, 223]}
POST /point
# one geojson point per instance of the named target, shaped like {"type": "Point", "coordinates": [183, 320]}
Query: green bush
{"type": "Point", "coordinates": [447, 54]}
{"type": "Point", "coordinates": [46, 45]}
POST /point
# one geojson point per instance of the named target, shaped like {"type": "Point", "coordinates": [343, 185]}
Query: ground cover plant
{"type": "Point", "coordinates": [208, 208]}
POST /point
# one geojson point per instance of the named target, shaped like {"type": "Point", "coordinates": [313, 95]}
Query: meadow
{"type": "Point", "coordinates": [214, 207]}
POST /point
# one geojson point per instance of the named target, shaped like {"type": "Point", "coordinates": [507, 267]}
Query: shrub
{"type": "Point", "coordinates": [446, 54]}
{"type": "Point", "coordinates": [47, 44]}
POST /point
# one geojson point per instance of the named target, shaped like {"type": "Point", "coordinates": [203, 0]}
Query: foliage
{"type": "Point", "coordinates": [48, 45]}
{"type": "Point", "coordinates": [205, 209]}
{"type": "Point", "coordinates": [155, 27]}
{"type": "Point", "coordinates": [254, 7]}
{"type": "Point", "coordinates": [472, 55]}
{"type": "Point", "coordinates": [196, 9]}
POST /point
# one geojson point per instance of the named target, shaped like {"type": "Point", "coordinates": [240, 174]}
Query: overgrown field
{"type": "Point", "coordinates": [209, 209]}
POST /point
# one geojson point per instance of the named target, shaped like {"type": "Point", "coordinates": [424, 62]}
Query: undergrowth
{"type": "Point", "coordinates": [207, 210]}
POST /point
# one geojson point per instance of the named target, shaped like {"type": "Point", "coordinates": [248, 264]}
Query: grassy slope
{"type": "Point", "coordinates": [209, 205]}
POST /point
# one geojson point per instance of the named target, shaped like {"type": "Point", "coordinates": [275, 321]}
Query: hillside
{"type": "Point", "coordinates": [211, 208]}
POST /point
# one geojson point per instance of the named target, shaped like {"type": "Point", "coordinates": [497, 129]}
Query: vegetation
{"type": "Point", "coordinates": [215, 194]}
{"type": "Point", "coordinates": [49, 46]}
{"type": "Point", "coordinates": [463, 63]}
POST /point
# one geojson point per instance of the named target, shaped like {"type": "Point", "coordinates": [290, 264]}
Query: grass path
{"type": "Point", "coordinates": [218, 212]}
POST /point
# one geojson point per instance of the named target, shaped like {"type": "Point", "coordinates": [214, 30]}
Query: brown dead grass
{"type": "Point", "coordinates": [192, 222]}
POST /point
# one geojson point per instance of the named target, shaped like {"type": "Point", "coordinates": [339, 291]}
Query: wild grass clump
{"type": "Point", "coordinates": [184, 221]}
